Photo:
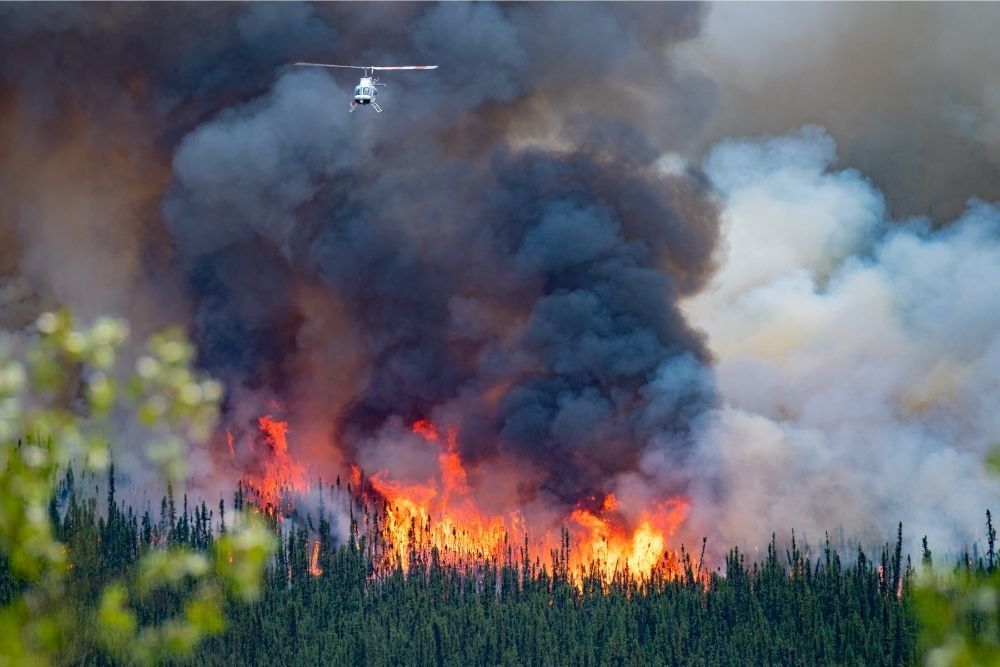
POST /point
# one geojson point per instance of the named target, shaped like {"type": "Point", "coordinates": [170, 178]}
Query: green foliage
{"type": "Point", "coordinates": [60, 388]}
{"type": "Point", "coordinates": [959, 609]}
{"type": "Point", "coordinates": [794, 606]}
{"type": "Point", "coordinates": [959, 612]}
{"type": "Point", "coordinates": [238, 560]}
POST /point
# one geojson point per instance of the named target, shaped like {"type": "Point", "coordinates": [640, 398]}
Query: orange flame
{"type": "Point", "coordinates": [314, 568]}
{"type": "Point", "coordinates": [280, 472]}
{"type": "Point", "coordinates": [426, 429]}
{"type": "Point", "coordinates": [603, 542]}
{"type": "Point", "coordinates": [459, 531]}
{"type": "Point", "coordinates": [439, 517]}
{"type": "Point", "coordinates": [610, 503]}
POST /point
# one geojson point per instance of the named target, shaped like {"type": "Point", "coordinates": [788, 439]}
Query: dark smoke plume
{"type": "Point", "coordinates": [517, 247]}
{"type": "Point", "coordinates": [545, 278]}
{"type": "Point", "coordinates": [500, 250]}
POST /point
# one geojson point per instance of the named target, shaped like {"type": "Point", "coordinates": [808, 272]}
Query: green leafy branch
{"type": "Point", "coordinates": [61, 388]}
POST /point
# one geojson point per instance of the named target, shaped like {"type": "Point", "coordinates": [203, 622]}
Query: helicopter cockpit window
{"type": "Point", "coordinates": [357, 91]}
{"type": "Point", "coordinates": [368, 91]}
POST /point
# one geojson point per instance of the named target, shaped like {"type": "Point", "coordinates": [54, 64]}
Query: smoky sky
{"type": "Point", "coordinates": [506, 249]}
{"type": "Point", "coordinates": [856, 361]}
{"type": "Point", "coordinates": [526, 287]}
{"type": "Point", "coordinates": [549, 275]}
{"type": "Point", "coordinates": [908, 91]}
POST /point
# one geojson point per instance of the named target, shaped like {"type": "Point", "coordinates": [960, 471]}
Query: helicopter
{"type": "Point", "coordinates": [367, 88]}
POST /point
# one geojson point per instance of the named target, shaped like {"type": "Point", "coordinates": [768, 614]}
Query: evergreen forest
{"type": "Point", "coordinates": [330, 602]}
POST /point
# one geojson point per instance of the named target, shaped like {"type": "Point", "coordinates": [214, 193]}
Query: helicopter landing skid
{"type": "Point", "coordinates": [354, 105]}
{"type": "Point", "coordinates": [378, 109]}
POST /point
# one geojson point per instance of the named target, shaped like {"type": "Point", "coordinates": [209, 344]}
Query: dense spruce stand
{"type": "Point", "coordinates": [329, 603]}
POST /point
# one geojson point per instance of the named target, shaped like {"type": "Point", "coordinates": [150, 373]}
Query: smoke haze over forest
{"type": "Point", "coordinates": [746, 255]}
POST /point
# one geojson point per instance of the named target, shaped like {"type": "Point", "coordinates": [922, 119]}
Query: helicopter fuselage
{"type": "Point", "coordinates": [365, 91]}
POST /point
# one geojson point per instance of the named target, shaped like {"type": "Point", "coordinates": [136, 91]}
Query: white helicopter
{"type": "Point", "coordinates": [367, 88]}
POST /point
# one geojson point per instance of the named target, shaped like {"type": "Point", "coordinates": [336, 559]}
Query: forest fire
{"type": "Point", "coordinates": [602, 541]}
{"type": "Point", "coordinates": [278, 473]}
{"type": "Point", "coordinates": [440, 513]}
{"type": "Point", "coordinates": [458, 530]}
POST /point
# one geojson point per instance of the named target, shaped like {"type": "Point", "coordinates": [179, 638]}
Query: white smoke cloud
{"type": "Point", "coordinates": [857, 360]}
{"type": "Point", "coordinates": [909, 91]}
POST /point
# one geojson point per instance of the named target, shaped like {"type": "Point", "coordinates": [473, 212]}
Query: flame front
{"type": "Point", "coordinates": [440, 514]}
{"type": "Point", "coordinates": [458, 530]}
{"type": "Point", "coordinates": [605, 543]}
{"type": "Point", "coordinates": [439, 518]}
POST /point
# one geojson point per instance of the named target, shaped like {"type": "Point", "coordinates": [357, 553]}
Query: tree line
{"type": "Point", "coordinates": [327, 601]}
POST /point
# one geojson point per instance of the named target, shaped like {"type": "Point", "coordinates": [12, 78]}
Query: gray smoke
{"type": "Point", "coordinates": [504, 253]}
{"type": "Point", "coordinates": [857, 358]}
{"type": "Point", "coordinates": [909, 92]}
{"type": "Point", "coordinates": [518, 248]}
{"type": "Point", "coordinates": [539, 274]}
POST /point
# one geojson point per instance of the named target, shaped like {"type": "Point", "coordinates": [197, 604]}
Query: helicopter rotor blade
{"type": "Point", "coordinates": [326, 65]}
{"type": "Point", "coordinates": [385, 67]}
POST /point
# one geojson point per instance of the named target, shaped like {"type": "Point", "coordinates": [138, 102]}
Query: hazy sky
{"type": "Point", "coordinates": [741, 252]}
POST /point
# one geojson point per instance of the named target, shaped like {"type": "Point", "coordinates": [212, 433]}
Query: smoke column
{"type": "Point", "coordinates": [856, 358]}
{"type": "Point", "coordinates": [505, 256]}
{"type": "Point", "coordinates": [526, 294]}
{"type": "Point", "coordinates": [519, 247]}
